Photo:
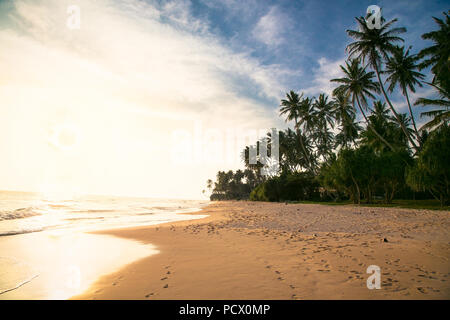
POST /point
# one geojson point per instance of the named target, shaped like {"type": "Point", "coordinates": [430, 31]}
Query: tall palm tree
{"type": "Point", "coordinates": [306, 119]}
{"type": "Point", "coordinates": [345, 115]}
{"type": "Point", "coordinates": [323, 120]}
{"type": "Point", "coordinates": [349, 133]}
{"type": "Point", "coordinates": [382, 122]}
{"type": "Point", "coordinates": [387, 126]}
{"type": "Point", "coordinates": [294, 109]}
{"type": "Point", "coordinates": [291, 157]}
{"type": "Point", "coordinates": [342, 108]}
{"type": "Point", "coordinates": [358, 83]}
{"type": "Point", "coordinates": [374, 45]}
{"type": "Point", "coordinates": [324, 141]}
{"type": "Point", "coordinates": [323, 111]}
{"type": "Point", "coordinates": [440, 116]}
{"type": "Point", "coordinates": [406, 121]}
{"type": "Point", "coordinates": [401, 70]}
{"type": "Point", "coordinates": [290, 106]}
{"type": "Point", "coordinates": [438, 55]}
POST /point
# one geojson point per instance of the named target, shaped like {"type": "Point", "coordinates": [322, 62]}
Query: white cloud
{"type": "Point", "coordinates": [270, 27]}
{"type": "Point", "coordinates": [326, 71]}
{"type": "Point", "coordinates": [127, 79]}
{"type": "Point", "coordinates": [402, 106]}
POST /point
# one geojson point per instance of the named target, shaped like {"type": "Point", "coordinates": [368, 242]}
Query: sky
{"type": "Point", "coordinates": [152, 98]}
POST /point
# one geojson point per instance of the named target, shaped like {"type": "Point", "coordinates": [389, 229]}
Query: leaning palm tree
{"type": "Point", "coordinates": [374, 45]}
{"type": "Point", "coordinates": [358, 83]}
{"type": "Point", "coordinates": [438, 55]}
{"type": "Point", "coordinates": [406, 121]}
{"type": "Point", "coordinates": [401, 70]}
{"type": "Point", "coordinates": [293, 107]}
{"type": "Point", "coordinates": [440, 116]}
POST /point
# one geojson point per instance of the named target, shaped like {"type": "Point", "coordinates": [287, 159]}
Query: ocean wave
{"type": "Point", "coordinates": [144, 214]}
{"type": "Point", "coordinates": [85, 218]}
{"type": "Point", "coordinates": [94, 211]}
{"type": "Point", "coordinates": [18, 213]}
{"type": "Point", "coordinates": [14, 232]}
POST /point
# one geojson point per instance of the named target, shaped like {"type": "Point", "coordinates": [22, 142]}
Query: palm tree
{"type": "Point", "coordinates": [306, 119]}
{"type": "Point", "coordinates": [406, 122]}
{"type": "Point", "coordinates": [373, 45]}
{"type": "Point", "coordinates": [294, 109]}
{"type": "Point", "coordinates": [401, 70]}
{"type": "Point", "coordinates": [324, 141]}
{"type": "Point", "coordinates": [440, 116]}
{"type": "Point", "coordinates": [382, 122]}
{"type": "Point", "coordinates": [290, 106]}
{"type": "Point", "coordinates": [291, 157]}
{"type": "Point", "coordinates": [438, 55]}
{"type": "Point", "coordinates": [323, 111]}
{"type": "Point", "coordinates": [342, 108]}
{"type": "Point", "coordinates": [323, 119]}
{"type": "Point", "coordinates": [358, 83]}
{"type": "Point", "coordinates": [345, 115]}
{"type": "Point", "coordinates": [349, 133]}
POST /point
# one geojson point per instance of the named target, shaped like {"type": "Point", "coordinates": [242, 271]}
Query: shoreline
{"type": "Point", "coordinates": [254, 250]}
{"type": "Point", "coordinates": [57, 264]}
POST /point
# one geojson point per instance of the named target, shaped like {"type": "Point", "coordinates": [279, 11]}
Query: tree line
{"type": "Point", "coordinates": [332, 154]}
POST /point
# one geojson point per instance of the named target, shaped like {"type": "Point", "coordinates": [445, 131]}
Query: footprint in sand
{"type": "Point", "coordinates": [422, 290]}
{"type": "Point", "coordinates": [149, 295]}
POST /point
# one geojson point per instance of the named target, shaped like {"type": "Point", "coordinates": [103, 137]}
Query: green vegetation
{"type": "Point", "coordinates": [431, 204]}
{"type": "Point", "coordinates": [332, 157]}
{"type": "Point", "coordinates": [293, 187]}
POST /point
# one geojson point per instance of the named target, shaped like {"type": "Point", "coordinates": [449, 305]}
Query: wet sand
{"type": "Point", "coordinates": [58, 265]}
{"type": "Point", "coordinates": [251, 250]}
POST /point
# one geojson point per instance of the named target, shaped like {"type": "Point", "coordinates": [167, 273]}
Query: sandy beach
{"type": "Point", "coordinates": [257, 250]}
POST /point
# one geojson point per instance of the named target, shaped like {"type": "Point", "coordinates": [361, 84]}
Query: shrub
{"type": "Point", "coordinates": [287, 187]}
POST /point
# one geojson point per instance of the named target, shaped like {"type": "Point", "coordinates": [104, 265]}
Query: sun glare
{"type": "Point", "coordinates": [56, 192]}
{"type": "Point", "coordinates": [65, 137]}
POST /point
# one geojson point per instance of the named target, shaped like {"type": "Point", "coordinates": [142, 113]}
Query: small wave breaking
{"type": "Point", "coordinates": [18, 213]}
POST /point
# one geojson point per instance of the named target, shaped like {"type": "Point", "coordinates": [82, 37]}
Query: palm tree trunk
{"type": "Point", "coordinates": [370, 125]}
{"type": "Point", "coordinates": [392, 108]}
{"type": "Point", "coordinates": [358, 192]}
{"type": "Point", "coordinates": [412, 116]}
{"type": "Point", "coordinates": [303, 147]}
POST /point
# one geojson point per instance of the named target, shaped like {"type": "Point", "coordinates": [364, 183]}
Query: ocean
{"type": "Point", "coordinates": [47, 252]}
{"type": "Point", "coordinates": [24, 212]}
